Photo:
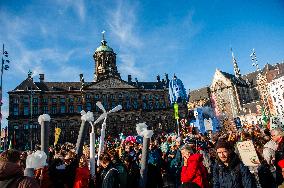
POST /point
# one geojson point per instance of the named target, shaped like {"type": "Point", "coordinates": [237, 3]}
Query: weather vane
{"type": "Point", "coordinates": [103, 32]}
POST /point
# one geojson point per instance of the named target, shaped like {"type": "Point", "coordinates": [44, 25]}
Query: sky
{"type": "Point", "coordinates": [189, 38]}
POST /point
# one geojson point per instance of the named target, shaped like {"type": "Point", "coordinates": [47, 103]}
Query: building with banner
{"type": "Point", "coordinates": [63, 101]}
{"type": "Point", "coordinates": [236, 95]}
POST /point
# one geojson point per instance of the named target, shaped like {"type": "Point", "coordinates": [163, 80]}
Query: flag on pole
{"type": "Point", "coordinates": [176, 111]}
{"type": "Point", "coordinates": [177, 91]}
{"type": "Point", "coordinates": [264, 117]}
{"type": "Point", "coordinates": [56, 135]}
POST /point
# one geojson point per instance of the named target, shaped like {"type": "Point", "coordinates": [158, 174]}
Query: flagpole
{"type": "Point", "coordinates": [178, 128]}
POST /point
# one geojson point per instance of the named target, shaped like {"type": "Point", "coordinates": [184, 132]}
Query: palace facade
{"type": "Point", "coordinates": [63, 101]}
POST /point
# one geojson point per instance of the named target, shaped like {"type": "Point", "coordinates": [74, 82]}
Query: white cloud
{"type": "Point", "coordinates": [78, 6]}
{"type": "Point", "coordinates": [122, 23]}
{"type": "Point", "coordinates": [128, 66]}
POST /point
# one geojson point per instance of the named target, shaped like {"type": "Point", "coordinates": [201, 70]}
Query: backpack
{"type": "Point", "coordinates": [7, 183]}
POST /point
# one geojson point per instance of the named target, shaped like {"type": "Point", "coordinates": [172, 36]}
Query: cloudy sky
{"type": "Point", "coordinates": [190, 38]}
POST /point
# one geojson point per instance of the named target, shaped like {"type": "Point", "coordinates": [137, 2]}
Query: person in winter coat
{"type": "Point", "coordinates": [193, 172]}
{"type": "Point", "coordinates": [82, 174]}
{"type": "Point", "coordinates": [278, 137]}
{"type": "Point", "coordinates": [133, 172]}
{"type": "Point", "coordinates": [154, 175]}
{"type": "Point", "coordinates": [281, 165]}
{"type": "Point", "coordinates": [109, 174]}
{"type": "Point", "coordinates": [117, 163]}
{"type": "Point", "coordinates": [12, 174]}
{"type": "Point", "coordinates": [229, 171]}
{"type": "Point", "coordinates": [71, 163]}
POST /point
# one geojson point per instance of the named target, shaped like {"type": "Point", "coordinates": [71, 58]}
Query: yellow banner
{"type": "Point", "coordinates": [56, 135]}
{"type": "Point", "coordinates": [176, 110]}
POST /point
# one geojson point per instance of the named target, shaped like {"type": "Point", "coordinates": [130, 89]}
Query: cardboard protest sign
{"type": "Point", "coordinates": [208, 124]}
{"type": "Point", "coordinates": [248, 154]}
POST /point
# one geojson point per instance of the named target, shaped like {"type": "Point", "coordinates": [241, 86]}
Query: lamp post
{"type": "Point", "coordinates": [3, 67]}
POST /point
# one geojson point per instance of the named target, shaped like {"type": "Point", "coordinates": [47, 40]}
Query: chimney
{"type": "Point", "coordinates": [129, 78]}
{"type": "Point", "coordinates": [41, 77]}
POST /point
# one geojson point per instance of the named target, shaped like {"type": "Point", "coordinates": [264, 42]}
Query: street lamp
{"type": "Point", "coordinates": [4, 66]}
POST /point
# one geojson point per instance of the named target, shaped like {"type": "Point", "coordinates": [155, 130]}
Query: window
{"type": "Point", "coordinates": [45, 109]}
{"type": "Point", "coordinates": [78, 99]}
{"type": "Point", "coordinates": [71, 109]}
{"type": "Point", "coordinates": [79, 108]}
{"type": "Point", "coordinates": [53, 110]}
{"type": "Point", "coordinates": [62, 109]}
{"type": "Point", "coordinates": [127, 105]}
{"type": "Point", "coordinates": [144, 105]}
{"type": "Point", "coordinates": [26, 126]}
{"type": "Point", "coordinates": [163, 104]}
{"type": "Point", "coordinates": [113, 105]}
{"type": "Point", "coordinates": [62, 100]}
{"type": "Point", "coordinates": [105, 104]}
{"type": "Point", "coordinates": [35, 110]}
{"type": "Point", "coordinates": [120, 96]}
{"type": "Point", "coordinates": [112, 97]}
{"type": "Point", "coordinates": [26, 100]}
{"type": "Point", "coordinates": [157, 106]}
{"type": "Point", "coordinates": [135, 104]}
{"type": "Point", "coordinates": [127, 96]}
{"type": "Point", "coordinates": [157, 97]}
{"type": "Point", "coordinates": [89, 106]}
{"type": "Point", "coordinates": [104, 97]}
{"type": "Point", "coordinates": [26, 110]}
{"type": "Point", "coordinates": [16, 110]}
{"type": "Point", "coordinates": [54, 100]}
{"type": "Point", "coordinates": [35, 100]}
{"type": "Point", "coordinates": [274, 98]}
{"type": "Point", "coordinates": [150, 105]}
{"type": "Point", "coordinates": [97, 96]}
{"type": "Point", "coordinates": [71, 99]}
{"type": "Point", "coordinates": [88, 96]}
{"type": "Point", "coordinates": [45, 100]}
{"type": "Point", "coordinates": [16, 101]}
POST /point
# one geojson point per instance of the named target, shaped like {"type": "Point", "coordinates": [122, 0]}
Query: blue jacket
{"type": "Point", "coordinates": [235, 175]}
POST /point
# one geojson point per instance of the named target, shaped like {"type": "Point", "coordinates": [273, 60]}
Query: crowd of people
{"type": "Point", "coordinates": [189, 160]}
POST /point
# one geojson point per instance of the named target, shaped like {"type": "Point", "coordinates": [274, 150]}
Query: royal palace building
{"type": "Point", "coordinates": [63, 101]}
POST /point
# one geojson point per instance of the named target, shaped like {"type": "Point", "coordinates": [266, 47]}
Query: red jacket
{"type": "Point", "coordinates": [82, 177]}
{"type": "Point", "coordinates": [195, 171]}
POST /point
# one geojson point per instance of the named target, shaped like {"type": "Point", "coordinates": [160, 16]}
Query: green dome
{"type": "Point", "coordinates": [104, 47]}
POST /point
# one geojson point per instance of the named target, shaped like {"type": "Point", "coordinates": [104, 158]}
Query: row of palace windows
{"type": "Point", "coordinates": [146, 105]}
{"type": "Point", "coordinates": [96, 97]}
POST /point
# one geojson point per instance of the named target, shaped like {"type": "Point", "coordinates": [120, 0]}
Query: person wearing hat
{"type": "Point", "coordinates": [229, 171]}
